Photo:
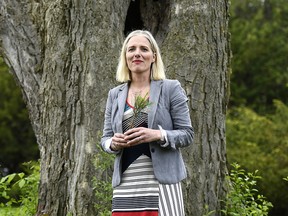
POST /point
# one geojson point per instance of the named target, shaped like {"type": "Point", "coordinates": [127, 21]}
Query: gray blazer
{"type": "Point", "coordinates": [169, 109]}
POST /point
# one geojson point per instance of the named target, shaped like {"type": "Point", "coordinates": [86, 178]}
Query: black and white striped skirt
{"type": "Point", "coordinates": [141, 194]}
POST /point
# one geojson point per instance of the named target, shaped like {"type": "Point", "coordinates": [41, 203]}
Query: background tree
{"type": "Point", "coordinates": [63, 54]}
{"type": "Point", "coordinates": [259, 43]}
{"type": "Point", "coordinates": [260, 143]}
{"type": "Point", "coordinates": [256, 124]}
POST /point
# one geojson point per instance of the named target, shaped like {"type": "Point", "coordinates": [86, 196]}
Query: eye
{"type": "Point", "coordinates": [131, 49]}
{"type": "Point", "coordinates": [145, 49]}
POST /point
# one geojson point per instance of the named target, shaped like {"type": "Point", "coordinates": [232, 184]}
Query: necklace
{"type": "Point", "coordinates": [133, 93]}
{"type": "Point", "coordinates": [139, 91]}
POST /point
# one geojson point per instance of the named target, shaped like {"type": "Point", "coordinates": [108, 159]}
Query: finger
{"type": "Point", "coordinates": [134, 134]}
{"type": "Point", "coordinates": [130, 131]}
{"type": "Point", "coordinates": [119, 141]}
{"type": "Point", "coordinates": [122, 145]}
{"type": "Point", "coordinates": [136, 140]}
{"type": "Point", "coordinates": [119, 135]}
{"type": "Point", "coordinates": [134, 130]}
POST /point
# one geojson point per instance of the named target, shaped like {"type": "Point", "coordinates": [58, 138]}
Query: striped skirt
{"type": "Point", "coordinates": [140, 194]}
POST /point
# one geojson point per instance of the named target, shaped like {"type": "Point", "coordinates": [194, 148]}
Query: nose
{"type": "Point", "coordinates": [137, 53]}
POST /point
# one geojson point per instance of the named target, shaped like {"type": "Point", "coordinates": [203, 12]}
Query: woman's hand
{"type": "Point", "coordinates": [136, 136]}
{"type": "Point", "coordinates": [118, 142]}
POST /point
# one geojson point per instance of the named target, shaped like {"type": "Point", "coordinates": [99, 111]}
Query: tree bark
{"type": "Point", "coordinates": [64, 54]}
{"type": "Point", "coordinates": [197, 52]}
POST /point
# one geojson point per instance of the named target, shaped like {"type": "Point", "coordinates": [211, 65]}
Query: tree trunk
{"type": "Point", "coordinates": [63, 55]}
{"type": "Point", "coordinates": [197, 52]}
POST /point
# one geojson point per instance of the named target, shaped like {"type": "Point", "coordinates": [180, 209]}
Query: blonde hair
{"type": "Point", "coordinates": [157, 69]}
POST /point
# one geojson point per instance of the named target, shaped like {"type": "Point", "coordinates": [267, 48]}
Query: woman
{"type": "Point", "coordinates": [148, 167]}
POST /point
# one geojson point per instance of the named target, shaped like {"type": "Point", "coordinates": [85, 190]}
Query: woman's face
{"type": "Point", "coordinates": [139, 55]}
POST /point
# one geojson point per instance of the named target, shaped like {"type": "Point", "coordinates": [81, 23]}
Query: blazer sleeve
{"type": "Point", "coordinates": [182, 133]}
{"type": "Point", "coordinates": [107, 130]}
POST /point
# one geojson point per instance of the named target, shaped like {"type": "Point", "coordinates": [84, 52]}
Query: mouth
{"type": "Point", "coordinates": [137, 61]}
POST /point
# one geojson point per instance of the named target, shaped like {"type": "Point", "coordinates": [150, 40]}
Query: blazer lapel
{"type": "Point", "coordinates": [155, 90]}
{"type": "Point", "coordinates": [121, 100]}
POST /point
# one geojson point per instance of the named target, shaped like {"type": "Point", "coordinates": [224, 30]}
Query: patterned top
{"type": "Point", "coordinates": [132, 153]}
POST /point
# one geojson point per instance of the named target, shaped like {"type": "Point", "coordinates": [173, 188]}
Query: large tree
{"type": "Point", "coordinates": [63, 54]}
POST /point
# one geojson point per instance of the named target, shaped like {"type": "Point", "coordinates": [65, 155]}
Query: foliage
{"type": "Point", "coordinates": [19, 191]}
{"type": "Point", "coordinates": [259, 45]}
{"type": "Point", "coordinates": [102, 186]}
{"type": "Point", "coordinates": [140, 104]}
{"type": "Point", "coordinates": [17, 139]}
{"type": "Point", "coordinates": [261, 143]}
{"type": "Point", "coordinates": [243, 197]}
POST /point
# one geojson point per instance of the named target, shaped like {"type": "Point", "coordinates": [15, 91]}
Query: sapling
{"type": "Point", "coordinates": [139, 105]}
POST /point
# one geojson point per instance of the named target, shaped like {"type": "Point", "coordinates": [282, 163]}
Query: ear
{"type": "Point", "coordinates": [154, 57]}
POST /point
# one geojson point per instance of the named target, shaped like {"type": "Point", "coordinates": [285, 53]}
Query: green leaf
{"type": "Point", "coordinates": [21, 175]}
{"type": "Point", "coordinates": [10, 177]}
{"type": "Point", "coordinates": [21, 183]}
{"type": "Point", "coordinates": [4, 194]}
